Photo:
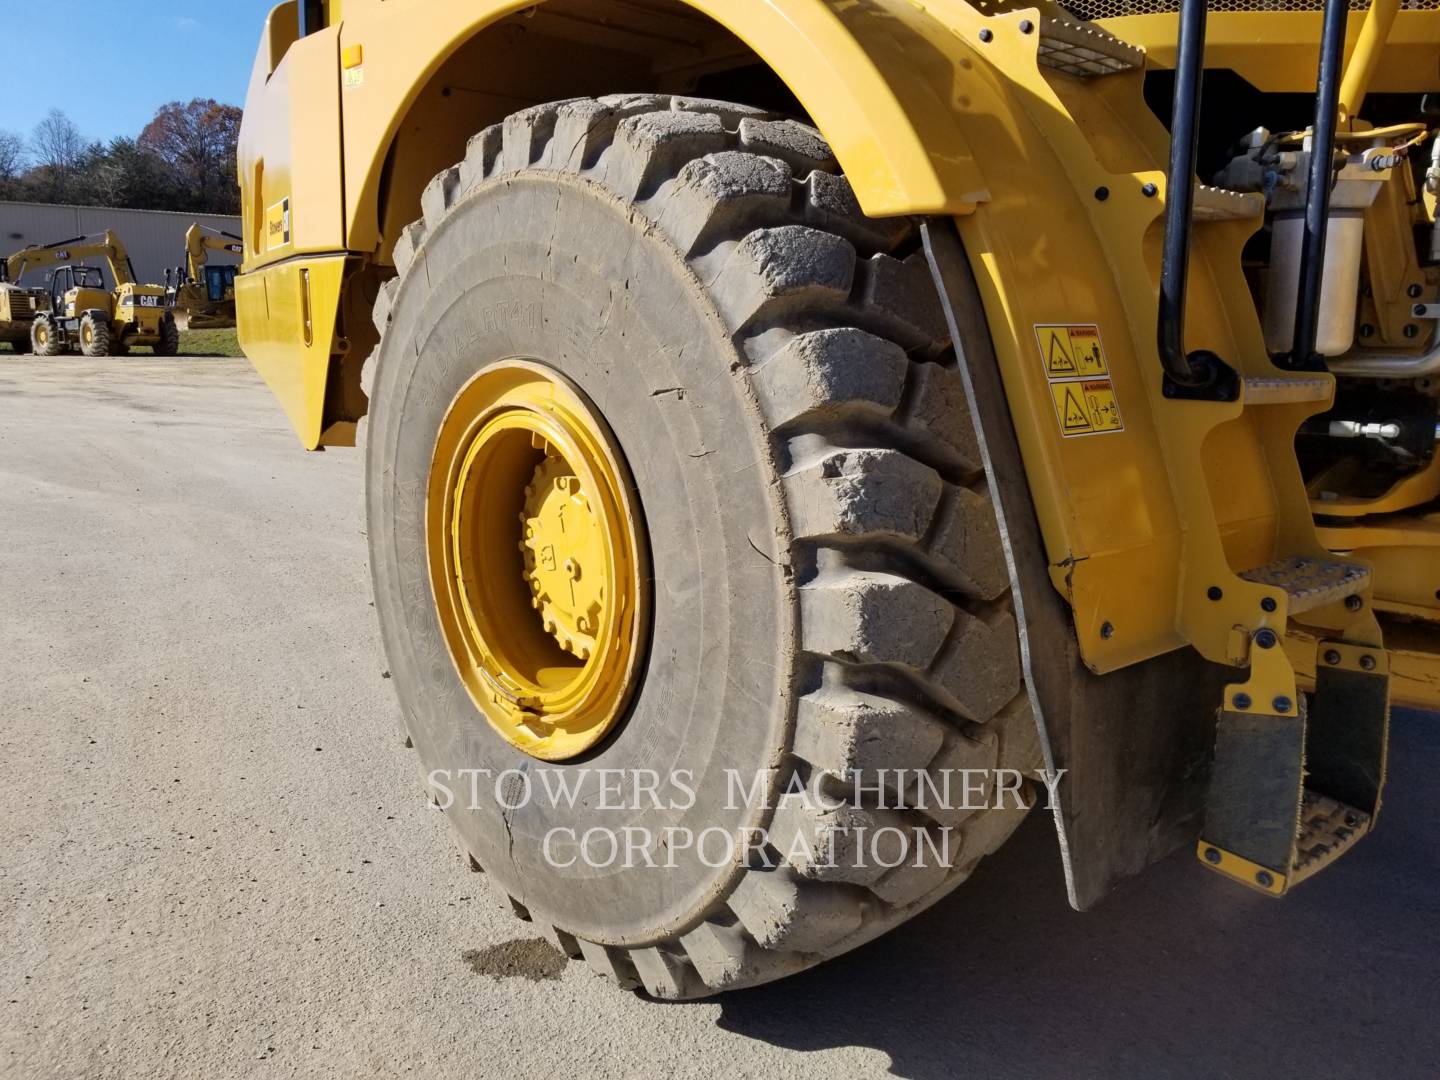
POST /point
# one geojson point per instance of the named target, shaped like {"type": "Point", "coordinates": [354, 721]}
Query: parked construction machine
{"type": "Point", "coordinates": [789, 406]}
{"type": "Point", "coordinates": [18, 308]}
{"type": "Point", "coordinates": [202, 292]}
{"type": "Point", "coordinates": [99, 317]}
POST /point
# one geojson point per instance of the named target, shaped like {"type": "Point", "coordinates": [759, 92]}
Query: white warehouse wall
{"type": "Point", "coordinates": [154, 238]}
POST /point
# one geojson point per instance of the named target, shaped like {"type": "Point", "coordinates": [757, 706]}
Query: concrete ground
{"type": "Point", "coordinates": [216, 861]}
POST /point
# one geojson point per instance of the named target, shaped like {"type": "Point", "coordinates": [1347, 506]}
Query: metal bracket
{"type": "Point", "coordinates": [1295, 788]}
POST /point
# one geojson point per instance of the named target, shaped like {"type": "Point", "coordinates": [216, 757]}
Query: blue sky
{"type": "Point", "coordinates": [204, 48]}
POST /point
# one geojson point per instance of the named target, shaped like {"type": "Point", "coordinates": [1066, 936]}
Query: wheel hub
{"type": "Point", "coordinates": [536, 559]}
{"type": "Point", "coordinates": [565, 562]}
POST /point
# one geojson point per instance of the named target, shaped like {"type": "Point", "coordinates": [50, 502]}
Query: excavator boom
{"type": "Point", "coordinates": [206, 294]}
{"type": "Point", "coordinates": [199, 241]}
{"type": "Point", "coordinates": [105, 245]}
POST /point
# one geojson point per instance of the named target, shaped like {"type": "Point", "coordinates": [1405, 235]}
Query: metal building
{"type": "Point", "coordinates": [154, 238]}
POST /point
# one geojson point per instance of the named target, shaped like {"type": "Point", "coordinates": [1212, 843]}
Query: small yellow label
{"type": "Point", "coordinates": [1086, 407]}
{"type": "Point", "coordinates": [1072, 351]}
{"type": "Point", "coordinates": [277, 225]}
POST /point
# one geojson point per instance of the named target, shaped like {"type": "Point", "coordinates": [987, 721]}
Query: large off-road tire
{"type": "Point", "coordinates": [44, 338]}
{"type": "Point", "coordinates": [829, 592]}
{"type": "Point", "coordinates": [94, 336]}
{"type": "Point", "coordinates": [169, 343]}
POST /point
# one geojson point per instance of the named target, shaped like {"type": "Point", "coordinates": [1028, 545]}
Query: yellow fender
{"type": "Point", "coordinates": [869, 92]}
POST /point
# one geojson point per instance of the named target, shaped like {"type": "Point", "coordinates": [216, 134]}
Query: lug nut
{"type": "Point", "coordinates": [1332, 657]}
{"type": "Point", "coordinates": [1367, 663]}
{"type": "Point", "coordinates": [1242, 701]}
{"type": "Point", "coordinates": [1263, 879]}
{"type": "Point", "coordinates": [1268, 604]}
{"type": "Point", "coordinates": [1026, 26]}
{"type": "Point", "coordinates": [1266, 638]}
{"type": "Point", "coordinates": [1353, 603]}
{"type": "Point", "coordinates": [1281, 704]}
{"type": "Point", "coordinates": [1212, 855]}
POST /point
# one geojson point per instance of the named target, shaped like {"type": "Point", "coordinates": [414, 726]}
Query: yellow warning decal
{"type": "Point", "coordinates": [1072, 351]}
{"type": "Point", "coordinates": [1086, 407]}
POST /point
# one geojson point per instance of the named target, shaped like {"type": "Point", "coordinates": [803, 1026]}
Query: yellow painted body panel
{"type": "Point", "coordinates": [286, 317]}
{"type": "Point", "coordinates": [291, 183]}
{"type": "Point", "coordinates": [1277, 51]}
{"type": "Point", "coordinates": [875, 99]}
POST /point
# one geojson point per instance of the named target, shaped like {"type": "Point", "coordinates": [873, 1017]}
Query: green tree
{"type": "Point", "coordinates": [127, 174]}
{"type": "Point", "coordinates": [197, 141]}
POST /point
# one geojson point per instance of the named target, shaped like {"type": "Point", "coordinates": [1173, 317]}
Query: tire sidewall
{"type": "Point", "coordinates": [620, 314]}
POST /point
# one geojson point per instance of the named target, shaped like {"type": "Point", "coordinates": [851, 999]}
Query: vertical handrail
{"type": "Point", "coordinates": [1320, 180]}
{"type": "Point", "coordinates": [1180, 195]}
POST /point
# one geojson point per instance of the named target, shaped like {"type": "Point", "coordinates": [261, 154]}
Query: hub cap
{"type": "Point", "coordinates": [535, 559]}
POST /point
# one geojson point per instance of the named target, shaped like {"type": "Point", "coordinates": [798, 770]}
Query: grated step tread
{"type": "Point", "coordinates": [1328, 828]}
{"type": "Point", "coordinates": [1222, 204]}
{"type": "Point", "coordinates": [1310, 582]}
{"type": "Point", "coordinates": [1280, 390]}
{"type": "Point", "coordinates": [1083, 50]}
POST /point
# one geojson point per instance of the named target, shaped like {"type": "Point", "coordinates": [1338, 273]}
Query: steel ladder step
{"type": "Point", "coordinates": [1311, 583]}
{"type": "Point", "coordinates": [1222, 204]}
{"type": "Point", "coordinates": [1328, 828]}
{"type": "Point", "coordinates": [1278, 390]}
{"type": "Point", "coordinates": [1084, 50]}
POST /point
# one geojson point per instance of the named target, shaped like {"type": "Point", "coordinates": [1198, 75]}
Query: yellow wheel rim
{"type": "Point", "coordinates": [536, 560]}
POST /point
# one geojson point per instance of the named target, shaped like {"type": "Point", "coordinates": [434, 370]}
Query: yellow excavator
{"type": "Point", "coordinates": [205, 293]}
{"type": "Point", "coordinates": [18, 308]}
{"type": "Point", "coordinates": [83, 311]}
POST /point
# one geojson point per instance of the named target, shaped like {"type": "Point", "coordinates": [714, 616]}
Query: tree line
{"type": "Point", "coordinates": [184, 160]}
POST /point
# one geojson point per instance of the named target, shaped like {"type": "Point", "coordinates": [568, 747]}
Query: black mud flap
{"type": "Point", "coordinates": [1135, 752]}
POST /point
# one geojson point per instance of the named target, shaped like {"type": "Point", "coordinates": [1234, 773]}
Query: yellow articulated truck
{"type": "Point", "coordinates": [773, 411]}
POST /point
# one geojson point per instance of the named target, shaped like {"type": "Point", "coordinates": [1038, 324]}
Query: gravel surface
{"type": "Point", "coordinates": [216, 860]}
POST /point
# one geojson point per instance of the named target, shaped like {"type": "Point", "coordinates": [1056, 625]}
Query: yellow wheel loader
{"type": "Point", "coordinates": [86, 312]}
{"type": "Point", "coordinates": [18, 308]}
{"type": "Point", "coordinates": [205, 294]}
{"type": "Point", "coordinates": [800, 436]}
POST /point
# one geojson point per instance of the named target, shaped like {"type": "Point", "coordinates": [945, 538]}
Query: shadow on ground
{"type": "Point", "coordinates": [1177, 974]}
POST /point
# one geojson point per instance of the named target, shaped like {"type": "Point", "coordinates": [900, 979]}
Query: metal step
{"type": "Point", "coordinates": [1083, 50]}
{"type": "Point", "coordinates": [1328, 828]}
{"type": "Point", "coordinates": [1277, 390]}
{"type": "Point", "coordinates": [1221, 204]}
{"type": "Point", "coordinates": [1311, 583]}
